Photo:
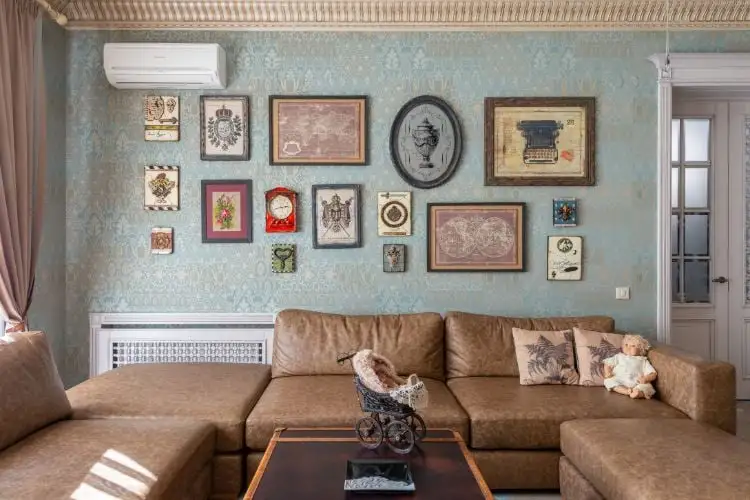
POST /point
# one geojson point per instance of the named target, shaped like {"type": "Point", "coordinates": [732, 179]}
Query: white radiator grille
{"type": "Point", "coordinates": [154, 351]}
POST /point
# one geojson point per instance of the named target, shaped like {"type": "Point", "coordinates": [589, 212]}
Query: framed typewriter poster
{"type": "Point", "coordinates": [539, 141]}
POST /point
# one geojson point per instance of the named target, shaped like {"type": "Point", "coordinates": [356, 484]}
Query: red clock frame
{"type": "Point", "coordinates": [288, 225]}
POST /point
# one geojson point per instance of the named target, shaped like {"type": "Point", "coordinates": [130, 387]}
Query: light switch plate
{"type": "Point", "coordinates": [622, 293]}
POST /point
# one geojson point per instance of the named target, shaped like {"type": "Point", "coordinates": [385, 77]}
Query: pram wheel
{"type": "Point", "coordinates": [399, 437]}
{"type": "Point", "coordinates": [369, 432]}
{"type": "Point", "coordinates": [416, 423]}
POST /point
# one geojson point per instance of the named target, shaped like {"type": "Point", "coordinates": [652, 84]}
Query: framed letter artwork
{"type": "Point", "coordinates": [226, 211]}
{"type": "Point", "coordinates": [337, 220]}
{"type": "Point", "coordinates": [225, 127]}
{"type": "Point", "coordinates": [541, 141]}
{"type": "Point", "coordinates": [564, 258]}
{"type": "Point", "coordinates": [475, 237]}
{"type": "Point", "coordinates": [318, 130]}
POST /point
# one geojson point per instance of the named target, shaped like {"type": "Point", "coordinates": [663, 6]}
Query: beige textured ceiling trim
{"type": "Point", "coordinates": [404, 14]}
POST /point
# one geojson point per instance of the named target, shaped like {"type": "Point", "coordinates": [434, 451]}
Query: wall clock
{"type": "Point", "coordinates": [281, 210]}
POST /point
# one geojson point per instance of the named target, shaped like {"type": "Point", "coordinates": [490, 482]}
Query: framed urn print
{"type": "Point", "coordinates": [162, 118]}
{"type": "Point", "coordinates": [162, 241]}
{"type": "Point", "coordinates": [480, 237]}
{"type": "Point", "coordinates": [537, 141]}
{"type": "Point", "coordinates": [225, 127]}
{"type": "Point", "coordinates": [337, 221]}
{"type": "Point", "coordinates": [394, 213]}
{"type": "Point", "coordinates": [318, 130]}
{"type": "Point", "coordinates": [226, 211]}
{"type": "Point", "coordinates": [161, 185]}
{"type": "Point", "coordinates": [426, 142]}
{"type": "Point", "coordinates": [564, 258]}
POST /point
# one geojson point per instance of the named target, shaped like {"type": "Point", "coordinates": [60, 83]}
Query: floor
{"type": "Point", "coordinates": [743, 431]}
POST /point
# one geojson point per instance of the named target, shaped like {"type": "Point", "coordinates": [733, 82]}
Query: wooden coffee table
{"type": "Point", "coordinates": [311, 463]}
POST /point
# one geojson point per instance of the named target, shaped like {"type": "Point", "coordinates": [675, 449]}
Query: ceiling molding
{"type": "Point", "coordinates": [403, 15]}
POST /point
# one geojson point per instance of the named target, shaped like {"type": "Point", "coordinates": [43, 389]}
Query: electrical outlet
{"type": "Point", "coordinates": [622, 293]}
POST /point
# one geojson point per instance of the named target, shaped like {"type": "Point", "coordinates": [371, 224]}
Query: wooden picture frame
{"type": "Point", "coordinates": [230, 203]}
{"type": "Point", "coordinates": [539, 141]}
{"type": "Point", "coordinates": [225, 127]}
{"type": "Point", "coordinates": [476, 237]}
{"type": "Point", "coordinates": [294, 123]}
{"type": "Point", "coordinates": [337, 216]}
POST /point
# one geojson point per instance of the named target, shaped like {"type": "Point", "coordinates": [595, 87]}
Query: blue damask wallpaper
{"type": "Point", "coordinates": [109, 267]}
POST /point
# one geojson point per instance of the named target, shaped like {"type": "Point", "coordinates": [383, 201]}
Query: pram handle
{"type": "Point", "coordinates": [345, 356]}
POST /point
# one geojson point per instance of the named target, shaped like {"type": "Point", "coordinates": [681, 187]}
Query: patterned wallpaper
{"type": "Point", "coordinates": [108, 264]}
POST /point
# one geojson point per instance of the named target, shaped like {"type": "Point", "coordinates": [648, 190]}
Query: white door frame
{"type": "Point", "coordinates": [684, 70]}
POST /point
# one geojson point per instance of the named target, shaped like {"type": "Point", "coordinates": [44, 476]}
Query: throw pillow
{"type": "Point", "coordinates": [545, 357]}
{"type": "Point", "coordinates": [592, 348]}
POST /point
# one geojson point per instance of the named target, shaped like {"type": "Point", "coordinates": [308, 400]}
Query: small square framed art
{"type": "Point", "coordinates": [226, 211]}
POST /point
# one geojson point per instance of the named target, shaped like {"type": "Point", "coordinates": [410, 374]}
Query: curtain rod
{"type": "Point", "coordinates": [58, 17]}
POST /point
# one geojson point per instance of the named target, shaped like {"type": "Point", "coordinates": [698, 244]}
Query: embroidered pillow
{"type": "Point", "coordinates": [545, 357]}
{"type": "Point", "coordinates": [592, 348]}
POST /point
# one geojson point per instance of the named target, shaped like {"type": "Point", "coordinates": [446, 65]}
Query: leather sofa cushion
{"type": "Point", "coordinates": [482, 346]}
{"type": "Point", "coordinates": [218, 393]}
{"type": "Point", "coordinates": [658, 459]}
{"type": "Point", "coordinates": [307, 343]}
{"type": "Point", "coordinates": [331, 401]}
{"type": "Point", "coordinates": [507, 415]}
{"type": "Point", "coordinates": [165, 456]}
{"type": "Point", "coordinates": [32, 394]}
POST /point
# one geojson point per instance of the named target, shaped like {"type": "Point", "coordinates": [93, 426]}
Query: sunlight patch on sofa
{"type": "Point", "coordinates": [115, 477]}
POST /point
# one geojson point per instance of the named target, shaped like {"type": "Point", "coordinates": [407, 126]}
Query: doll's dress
{"type": "Point", "coordinates": [626, 370]}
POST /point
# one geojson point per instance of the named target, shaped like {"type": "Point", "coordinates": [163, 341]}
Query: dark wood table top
{"type": "Point", "coordinates": [310, 463]}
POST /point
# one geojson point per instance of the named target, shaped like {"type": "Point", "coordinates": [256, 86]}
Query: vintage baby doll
{"type": "Point", "coordinates": [378, 374]}
{"type": "Point", "coordinates": [629, 372]}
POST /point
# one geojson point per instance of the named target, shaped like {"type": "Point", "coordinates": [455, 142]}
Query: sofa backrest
{"type": "Point", "coordinates": [477, 345]}
{"type": "Point", "coordinates": [31, 392]}
{"type": "Point", "coordinates": [308, 343]}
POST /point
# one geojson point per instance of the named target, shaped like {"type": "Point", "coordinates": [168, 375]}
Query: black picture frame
{"type": "Point", "coordinates": [450, 170]}
{"type": "Point", "coordinates": [356, 188]}
{"type": "Point", "coordinates": [248, 213]}
{"type": "Point", "coordinates": [245, 135]}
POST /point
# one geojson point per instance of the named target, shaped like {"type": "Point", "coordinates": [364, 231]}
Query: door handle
{"type": "Point", "coordinates": [720, 279]}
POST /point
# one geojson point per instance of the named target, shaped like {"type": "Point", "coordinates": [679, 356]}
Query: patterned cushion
{"type": "Point", "coordinates": [545, 357]}
{"type": "Point", "coordinates": [591, 349]}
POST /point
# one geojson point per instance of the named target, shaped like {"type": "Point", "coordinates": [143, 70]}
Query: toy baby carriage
{"type": "Point", "coordinates": [390, 401]}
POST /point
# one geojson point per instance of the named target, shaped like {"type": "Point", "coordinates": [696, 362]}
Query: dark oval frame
{"type": "Point", "coordinates": [458, 140]}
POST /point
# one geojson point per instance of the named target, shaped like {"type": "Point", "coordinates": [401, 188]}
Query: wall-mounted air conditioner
{"type": "Point", "coordinates": [165, 65]}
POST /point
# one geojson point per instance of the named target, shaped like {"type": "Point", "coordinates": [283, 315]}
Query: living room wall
{"type": "Point", "coordinates": [110, 268]}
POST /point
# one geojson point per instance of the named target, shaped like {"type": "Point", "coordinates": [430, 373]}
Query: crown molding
{"type": "Point", "coordinates": [403, 15]}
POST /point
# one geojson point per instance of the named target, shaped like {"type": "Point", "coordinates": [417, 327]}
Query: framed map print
{"type": "Point", "coordinates": [476, 237]}
{"type": "Point", "coordinates": [337, 219]}
{"type": "Point", "coordinates": [226, 211]}
{"type": "Point", "coordinates": [225, 124]}
{"type": "Point", "coordinates": [318, 130]}
{"type": "Point", "coordinates": [545, 141]}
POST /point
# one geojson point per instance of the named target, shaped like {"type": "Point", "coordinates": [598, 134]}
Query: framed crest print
{"type": "Point", "coordinates": [162, 241]}
{"type": "Point", "coordinates": [540, 141]}
{"type": "Point", "coordinates": [564, 258]}
{"type": "Point", "coordinates": [318, 130]}
{"type": "Point", "coordinates": [161, 186]}
{"type": "Point", "coordinates": [394, 213]}
{"type": "Point", "coordinates": [476, 237]}
{"type": "Point", "coordinates": [162, 118]}
{"type": "Point", "coordinates": [225, 127]}
{"type": "Point", "coordinates": [426, 142]}
{"type": "Point", "coordinates": [337, 220]}
{"type": "Point", "coordinates": [226, 211]}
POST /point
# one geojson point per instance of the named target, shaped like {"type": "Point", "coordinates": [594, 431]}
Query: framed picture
{"type": "Point", "coordinates": [426, 142]}
{"type": "Point", "coordinates": [337, 220]}
{"type": "Point", "coordinates": [564, 258]}
{"type": "Point", "coordinates": [394, 213]}
{"type": "Point", "coordinates": [225, 127]}
{"type": "Point", "coordinates": [394, 258]}
{"type": "Point", "coordinates": [161, 187]}
{"type": "Point", "coordinates": [226, 211]}
{"type": "Point", "coordinates": [162, 118]}
{"type": "Point", "coordinates": [318, 130]}
{"type": "Point", "coordinates": [543, 141]}
{"type": "Point", "coordinates": [476, 237]}
{"type": "Point", "coordinates": [564, 212]}
{"type": "Point", "coordinates": [283, 257]}
{"type": "Point", "coordinates": [162, 242]}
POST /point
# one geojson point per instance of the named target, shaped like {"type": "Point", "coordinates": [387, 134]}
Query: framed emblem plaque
{"type": "Point", "coordinates": [337, 219]}
{"type": "Point", "coordinates": [225, 124]}
{"type": "Point", "coordinates": [161, 188]}
{"type": "Point", "coordinates": [540, 141]}
{"type": "Point", "coordinates": [476, 237]}
{"type": "Point", "coordinates": [162, 118]}
{"type": "Point", "coordinates": [394, 213]}
{"type": "Point", "coordinates": [426, 142]}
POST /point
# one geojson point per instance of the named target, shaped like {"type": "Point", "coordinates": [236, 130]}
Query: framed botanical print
{"type": "Point", "coordinates": [225, 127]}
{"type": "Point", "coordinates": [162, 118]}
{"type": "Point", "coordinates": [541, 141]}
{"type": "Point", "coordinates": [226, 211]}
{"type": "Point", "coordinates": [161, 186]}
{"type": "Point", "coordinates": [337, 219]}
{"type": "Point", "coordinates": [564, 258]}
{"type": "Point", "coordinates": [318, 130]}
{"type": "Point", "coordinates": [480, 237]}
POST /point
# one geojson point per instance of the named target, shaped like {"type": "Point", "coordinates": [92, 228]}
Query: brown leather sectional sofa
{"type": "Point", "coordinates": [227, 413]}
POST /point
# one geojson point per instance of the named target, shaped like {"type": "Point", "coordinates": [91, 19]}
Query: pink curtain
{"type": "Point", "coordinates": [22, 156]}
